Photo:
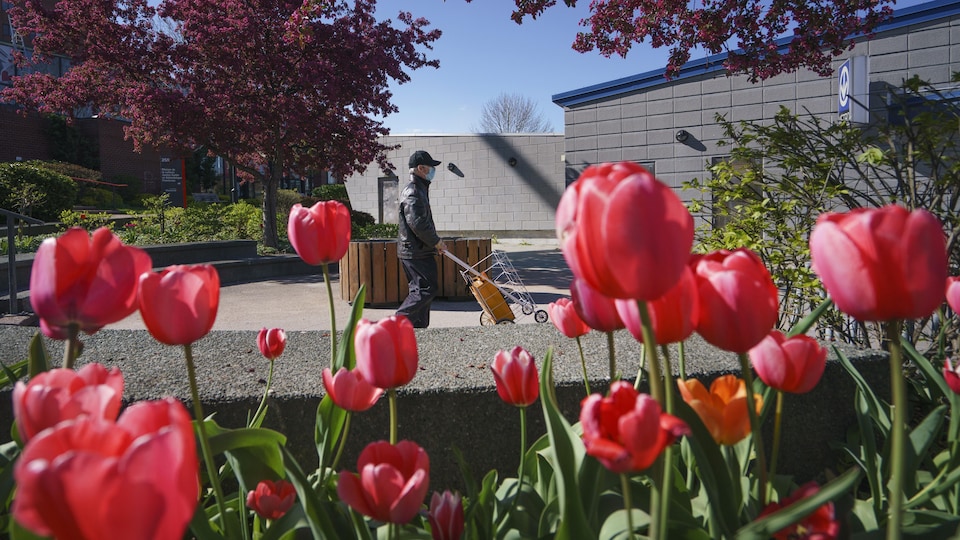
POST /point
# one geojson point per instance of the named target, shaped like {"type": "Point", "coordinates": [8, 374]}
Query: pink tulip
{"type": "Point", "coordinates": [320, 234]}
{"type": "Point", "coordinates": [446, 516]}
{"type": "Point", "coordinates": [596, 310]}
{"type": "Point", "coordinates": [792, 365]}
{"type": "Point", "coordinates": [271, 500]}
{"type": "Point", "coordinates": [738, 300]}
{"type": "Point", "coordinates": [88, 478]}
{"type": "Point", "coordinates": [515, 374]}
{"type": "Point", "coordinates": [881, 264]}
{"type": "Point", "coordinates": [624, 232]}
{"type": "Point", "coordinates": [627, 431]}
{"type": "Point", "coordinates": [951, 374]}
{"type": "Point", "coordinates": [84, 280]}
{"type": "Point", "coordinates": [953, 293]}
{"type": "Point", "coordinates": [673, 315]}
{"type": "Point", "coordinates": [64, 394]}
{"type": "Point", "coordinates": [387, 354]}
{"type": "Point", "coordinates": [271, 342]}
{"type": "Point", "coordinates": [349, 390]}
{"type": "Point", "coordinates": [564, 316]}
{"type": "Point", "coordinates": [391, 482]}
{"type": "Point", "coordinates": [179, 305]}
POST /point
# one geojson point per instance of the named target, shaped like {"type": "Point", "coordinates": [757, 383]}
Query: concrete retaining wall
{"type": "Point", "coordinates": [451, 403]}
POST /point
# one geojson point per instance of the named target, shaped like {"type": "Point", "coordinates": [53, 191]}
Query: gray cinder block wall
{"type": "Point", "coordinates": [637, 118]}
{"type": "Point", "coordinates": [510, 187]}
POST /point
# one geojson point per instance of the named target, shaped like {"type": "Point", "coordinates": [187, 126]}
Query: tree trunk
{"type": "Point", "coordinates": [271, 183]}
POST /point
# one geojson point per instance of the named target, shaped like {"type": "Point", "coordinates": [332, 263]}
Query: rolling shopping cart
{"type": "Point", "coordinates": [498, 289]}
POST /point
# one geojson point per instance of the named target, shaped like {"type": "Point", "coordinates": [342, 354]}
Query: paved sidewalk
{"type": "Point", "coordinates": [300, 303]}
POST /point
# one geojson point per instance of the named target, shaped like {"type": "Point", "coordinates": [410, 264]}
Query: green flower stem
{"type": "Point", "coordinates": [669, 453]}
{"type": "Point", "coordinates": [262, 408]}
{"type": "Point", "coordinates": [650, 349]}
{"type": "Point", "coordinates": [681, 350]}
{"type": "Point", "coordinates": [583, 365]}
{"type": "Point", "coordinates": [342, 442]}
{"type": "Point", "coordinates": [333, 317]}
{"type": "Point", "coordinates": [204, 441]}
{"type": "Point", "coordinates": [72, 349]}
{"type": "Point", "coordinates": [392, 397]}
{"type": "Point", "coordinates": [613, 358]}
{"type": "Point", "coordinates": [627, 505]}
{"type": "Point", "coordinates": [898, 437]}
{"type": "Point", "coordinates": [755, 428]}
{"type": "Point", "coordinates": [523, 450]}
{"type": "Point", "coordinates": [777, 421]}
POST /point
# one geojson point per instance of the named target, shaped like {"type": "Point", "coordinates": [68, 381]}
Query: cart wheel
{"type": "Point", "coordinates": [527, 309]}
{"type": "Point", "coordinates": [486, 320]}
{"type": "Point", "coordinates": [506, 321]}
{"type": "Point", "coordinates": [541, 316]}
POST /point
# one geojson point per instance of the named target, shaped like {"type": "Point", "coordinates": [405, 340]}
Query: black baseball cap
{"type": "Point", "coordinates": [421, 157]}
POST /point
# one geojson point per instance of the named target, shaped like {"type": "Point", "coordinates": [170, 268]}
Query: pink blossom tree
{"type": "Point", "coordinates": [749, 29]}
{"type": "Point", "coordinates": [273, 86]}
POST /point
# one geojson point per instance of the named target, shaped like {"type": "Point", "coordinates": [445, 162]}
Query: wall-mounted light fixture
{"type": "Point", "coordinates": [512, 162]}
{"type": "Point", "coordinates": [682, 136]}
{"type": "Point", "coordinates": [454, 169]}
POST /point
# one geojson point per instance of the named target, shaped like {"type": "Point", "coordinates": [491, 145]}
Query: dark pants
{"type": "Point", "coordinates": [423, 282]}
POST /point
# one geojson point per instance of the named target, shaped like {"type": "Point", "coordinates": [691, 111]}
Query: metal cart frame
{"type": "Point", "coordinates": [494, 286]}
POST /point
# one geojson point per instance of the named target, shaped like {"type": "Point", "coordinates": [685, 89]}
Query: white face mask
{"type": "Point", "coordinates": [431, 173]}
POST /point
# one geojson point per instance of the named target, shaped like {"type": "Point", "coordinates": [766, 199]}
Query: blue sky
{"type": "Point", "coordinates": [483, 53]}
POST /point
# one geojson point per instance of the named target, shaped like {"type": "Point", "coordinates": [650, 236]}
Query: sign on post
{"type": "Point", "coordinates": [853, 83]}
{"type": "Point", "coordinates": [173, 180]}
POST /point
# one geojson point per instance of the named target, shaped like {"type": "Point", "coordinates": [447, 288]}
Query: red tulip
{"type": "Point", "coordinates": [349, 390]}
{"type": "Point", "coordinates": [271, 500]}
{"type": "Point", "coordinates": [64, 394]}
{"type": "Point", "coordinates": [596, 310]}
{"type": "Point", "coordinates": [391, 482]}
{"type": "Point", "coordinates": [881, 264]}
{"type": "Point", "coordinates": [565, 318]}
{"type": "Point", "coordinates": [952, 375]}
{"type": "Point", "coordinates": [271, 342]}
{"type": "Point", "coordinates": [84, 280]}
{"type": "Point", "coordinates": [179, 305]}
{"type": "Point", "coordinates": [446, 516]}
{"type": "Point", "coordinates": [673, 315]}
{"type": "Point", "coordinates": [792, 365]}
{"type": "Point", "coordinates": [386, 351]}
{"type": "Point", "coordinates": [624, 232]}
{"type": "Point", "coordinates": [320, 234]}
{"type": "Point", "coordinates": [88, 478]}
{"type": "Point", "coordinates": [516, 376]}
{"type": "Point", "coordinates": [953, 293]}
{"type": "Point", "coordinates": [820, 525]}
{"type": "Point", "coordinates": [723, 410]}
{"type": "Point", "coordinates": [627, 431]}
{"type": "Point", "coordinates": [738, 300]}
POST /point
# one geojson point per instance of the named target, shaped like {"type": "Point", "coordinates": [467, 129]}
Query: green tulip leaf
{"type": "Point", "coordinates": [328, 429]}
{"type": "Point", "coordinates": [930, 524]}
{"type": "Point", "coordinates": [877, 411]}
{"type": "Point", "coordinates": [712, 468]}
{"type": "Point", "coordinates": [804, 325]}
{"type": "Point", "coordinates": [929, 372]}
{"type": "Point", "coordinates": [869, 457]}
{"type": "Point", "coordinates": [13, 373]}
{"type": "Point", "coordinates": [345, 354]}
{"type": "Point", "coordinates": [254, 453]}
{"type": "Point", "coordinates": [37, 356]}
{"type": "Point", "coordinates": [919, 441]}
{"type": "Point", "coordinates": [616, 525]}
{"type": "Point", "coordinates": [323, 524]}
{"type": "Point", "coordinates": [293, 520]}
{"type": "Point", "coordinates": [765, 527]}
{"type": "Point", "coordinates": [568, 453]}
{"type": "Point", "coordinates": [200, 525]}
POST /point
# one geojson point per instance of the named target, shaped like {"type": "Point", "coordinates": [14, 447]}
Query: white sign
{"type": "Point", "coordinates": [853, 96]}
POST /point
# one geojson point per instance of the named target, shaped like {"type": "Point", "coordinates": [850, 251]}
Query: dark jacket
{"type": "Point", "coordinates": [417, 236]}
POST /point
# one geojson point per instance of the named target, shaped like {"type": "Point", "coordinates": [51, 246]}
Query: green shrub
{"type": "Point", "coordinates": [23, 243]}
{"type": "Point", "coordinates": [286, 198]}
{"type": "Point", "coordinates": [99, 198]}
{"type": "Point", "coordinates": [132, 188]}
{"type": "Point", "coordinates": [51, 193]}
{"type": "Point", "coordinates": [70, 169]}
{"type": "Point", "coordinates": [332, 192]}
{"type": "Point", "coordinates": [241, 221]}
{"type": "Point", "coordinates": [86, 220]}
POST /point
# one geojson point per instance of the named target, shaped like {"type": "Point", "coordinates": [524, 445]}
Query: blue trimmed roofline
{"type": "Point", "coordinates": [920, 13]}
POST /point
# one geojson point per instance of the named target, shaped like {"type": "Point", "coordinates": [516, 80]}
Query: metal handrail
{"type": "Point", "coordinates": [12, 217]}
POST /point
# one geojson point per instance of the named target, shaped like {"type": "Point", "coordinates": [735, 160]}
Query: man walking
{"type": "Point", "coordinates": [418, 240]}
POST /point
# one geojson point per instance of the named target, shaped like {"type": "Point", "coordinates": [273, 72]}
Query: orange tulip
{"type": "Point", "coordinates": [723, 409]}
{"type": "Point", "coordinates": [179, 305]}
